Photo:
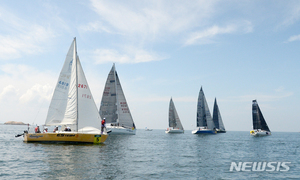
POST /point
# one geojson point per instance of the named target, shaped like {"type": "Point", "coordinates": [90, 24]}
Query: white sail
{"type": "Point", "coordinates": [71, 115]}
{"type": "Point", "coordinates": [114, 107]}
{"type": "Point", "coordinates": [74, 105]}
{"type": "Point", "coordinates": [57, 108]}
{"type": "Point", "coordinates": [88, 115]}
{"type": "Point", "coordinates": [174, 120]}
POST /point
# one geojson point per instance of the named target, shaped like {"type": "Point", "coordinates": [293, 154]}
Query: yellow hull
{"type": "Point", "coordinates": [65, 137]}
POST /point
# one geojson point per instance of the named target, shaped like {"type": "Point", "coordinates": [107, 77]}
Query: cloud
{"type": "Point", "coordinates": [8, 92]}
{"type": "Point", "coordinates": [20, 38]}
{"type": "Point", "coordinates": [25, 84]}
{"type": "Point", "coordinates": [130, 55]}
{"type": "Point", "coordinates": [280, 89]}
{"type": "Point", "coordinates": [151, 19]}
{"type": "Point", "coordinates": [24, 91]}
{"type": "Point", "coordinates": [94, 27]}
{"type": "Point", "coordinates": [294, 38]}
{"type": "Point", "coordinates": [291, 14]}
{"type": "Point", "coordinates": [37, 93]}
{"type": "Point", "coordinates": [143, 22]}
{"type": "Point", "coordinates": [206, 36]}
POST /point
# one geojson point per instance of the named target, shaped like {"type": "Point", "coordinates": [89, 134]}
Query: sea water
{"type": "Point", "coordinates": [152, 155]}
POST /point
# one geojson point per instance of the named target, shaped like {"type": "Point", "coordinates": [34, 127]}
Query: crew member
{"type": "Point", "coordinates": [102, 125]}
{"type": "Point", "coordinates": [37, 129]}
{"type": "Point", "coordinates": [55, 129]}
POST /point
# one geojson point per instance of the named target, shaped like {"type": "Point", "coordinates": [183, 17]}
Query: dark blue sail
{"type": "Point", "coordinates": [258, 119]}
{"type": "Point", "coordinates": [217, 119]}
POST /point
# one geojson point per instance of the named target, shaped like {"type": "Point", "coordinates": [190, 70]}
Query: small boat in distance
{"type": "Point", "coordinates": [72, 108]}
{"type": "Point", "coordinates": [175, 125]}
{"type": "Point", "coordinates": [146, 129]}
{"type": "Point", "coordinates": [205, 124]}
{"type": "Point", "coordinates": [260, 127]}
{"type": "Point", "coordinates": [114, 107]}
{"type": "Point", "coordinates": [217, 119]}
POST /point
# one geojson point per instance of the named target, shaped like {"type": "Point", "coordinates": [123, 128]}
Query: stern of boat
{"type": "Point", "coordinates": [119, 130]}
{"type": "Point", "coordinates": [204, 131]}
{"type": "Point", "coordinates": [260, 133]}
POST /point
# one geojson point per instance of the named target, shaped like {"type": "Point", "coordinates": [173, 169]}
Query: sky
{"type": "Point", "coordinates": [237, 51]}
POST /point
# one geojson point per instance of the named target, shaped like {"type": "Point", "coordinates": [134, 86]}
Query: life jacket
{"type": "Point", "coordinates": [103, 122]}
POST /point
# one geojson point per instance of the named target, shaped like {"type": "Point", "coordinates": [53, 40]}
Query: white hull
{"type": "Point", "coordinates": [174, 131]}
{"type": "Point", "coordinates": [120, 130]}
{"type": "Point", "coordinates": [260, 133]}
{"type": "Point", "coordinates": [203, 131]}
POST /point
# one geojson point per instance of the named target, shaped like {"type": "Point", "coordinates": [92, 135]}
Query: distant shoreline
{"type": "Point", "coordinates": [13, 123]}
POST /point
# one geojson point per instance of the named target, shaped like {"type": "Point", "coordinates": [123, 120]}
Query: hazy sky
{"type": "Point", "coordinates": [236, 50]}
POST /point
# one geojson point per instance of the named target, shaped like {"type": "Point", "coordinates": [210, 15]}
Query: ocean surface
{"type": "Point", "coordinates": [150, 155]}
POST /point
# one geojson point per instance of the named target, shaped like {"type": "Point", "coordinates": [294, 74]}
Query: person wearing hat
{"type": "Point", "coordinates": [55, 129]}
{"type": "Point", "coordinates": [102, 125]}
{"type": "Point", "coordinates": [37, 129]}
{"type": "Point", "coordinates": [45, 130]}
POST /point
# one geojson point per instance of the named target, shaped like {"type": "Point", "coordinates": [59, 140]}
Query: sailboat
{"type": "Point", "coordinates": [72, 108]}
{"type": "Point", "coordinates": [147, 129]}
{"type": "Point", "coordinates": [205, 124]}
{"type": "Point", "coordinates": [175, 125]}
{"type": "Point", "coordinates": [114, 107]}
{"type": "Point", "coordinates": [217, 119]}
{"type": "Point", "coordinates": [260, 127]}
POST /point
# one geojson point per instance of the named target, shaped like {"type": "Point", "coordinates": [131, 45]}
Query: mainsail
{"type": "Point", "coordinates": [108, 107]}
{"type": "Point", "coordinates": [114, 107]}
{"type": "Point", "coordinates": [258, 119]}
{"type": "Point", "coordinates": [217, 119]}
{"type": "Point", "coordinates": [174, 120]}
{"type": "Point", "coordinates": [203, 114]}
{"type": "Point", "coordinates": [57, 108]}
{"type": "Point", "coordinates": [72, 103]}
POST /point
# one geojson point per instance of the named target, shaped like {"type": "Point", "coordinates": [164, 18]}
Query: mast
{"type": "Point", "coordinates": [75, 58]}
{"type": "Point", "coordinates": [117, 101]}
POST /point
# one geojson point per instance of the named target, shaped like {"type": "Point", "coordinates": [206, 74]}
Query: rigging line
{"type": "Point", "coordinates": [37, 113]}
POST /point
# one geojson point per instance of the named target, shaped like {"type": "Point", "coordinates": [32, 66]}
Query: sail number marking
{"type": "Point", "coordinates": [62, 85]}
{"type": "Point", "coordinates": [106, 91]}
{"type": "Point", "coordinates": [83, 86]}
{"type": "Point", "coordinates": [97, 139]}
{"type": "Point", "coordinates": [87, 96]}
{"type": "Point", "coordinates": [124, 107]}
